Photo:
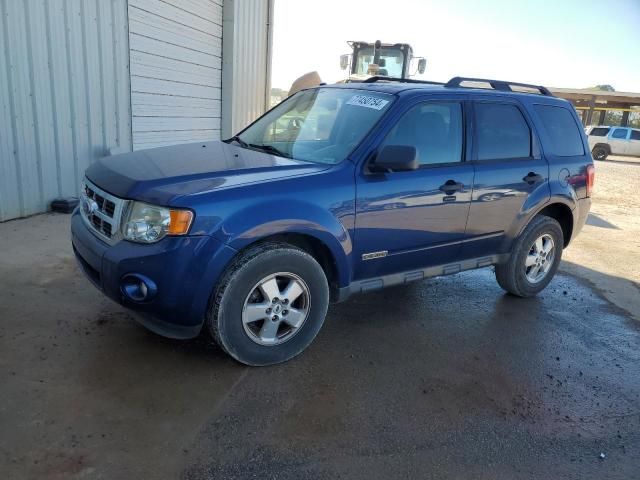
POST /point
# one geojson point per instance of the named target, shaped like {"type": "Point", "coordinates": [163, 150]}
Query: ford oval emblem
{"type": "Point", "coordinates": [89, 206]}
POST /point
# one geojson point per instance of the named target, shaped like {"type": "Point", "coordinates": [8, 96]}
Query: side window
{"type": "Point", "coordinates": [599, 132]}
{"type": "Point", "coordinates": [435, 129]}
{"type": "Point", "coordinates": [635, 134]}
{"type": "Point", "coordinates": [501, 132]}
{"type": "Point", "coordinates": [619, 133]}
{"type": "Point", "coordinates": [564, 136]}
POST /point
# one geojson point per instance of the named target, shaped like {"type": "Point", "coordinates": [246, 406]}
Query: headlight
{"type": "Point", "coordinates": [148, 224]}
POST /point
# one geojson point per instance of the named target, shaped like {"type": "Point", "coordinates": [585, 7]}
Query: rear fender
{"type": "Point", "coordinates": [535, 202]}
{"type": "Point", "coordinates": [554, 200]}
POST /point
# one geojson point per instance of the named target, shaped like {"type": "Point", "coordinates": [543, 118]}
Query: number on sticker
{"type": "Point", "coordinates": [367, 101]}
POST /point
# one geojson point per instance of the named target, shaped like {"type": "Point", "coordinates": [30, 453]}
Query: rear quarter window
{"type": "Point", "coordinates": [599, 132]}
{"type": "Point", "coordinates": [635, 134]}
{"type": "Point", "coordinates": [563, 134]}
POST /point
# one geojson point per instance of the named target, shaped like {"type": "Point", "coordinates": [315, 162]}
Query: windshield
{"type": "Point", "coordinates": [391, 61]}
{"type": "Point", "coordinates": [322, 125]}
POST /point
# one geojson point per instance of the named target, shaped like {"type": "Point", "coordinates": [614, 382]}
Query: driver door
{"type": "Point", "coordinates": [416, 219]}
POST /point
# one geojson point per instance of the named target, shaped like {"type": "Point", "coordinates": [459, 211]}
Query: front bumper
{"type": "Point", "coordinates": [184, 269]}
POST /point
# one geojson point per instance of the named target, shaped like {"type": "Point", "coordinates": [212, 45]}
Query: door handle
{"type": "Point", "coordinates": [532, 178]}
{"type": "Point", "coordinates": [451, 186]}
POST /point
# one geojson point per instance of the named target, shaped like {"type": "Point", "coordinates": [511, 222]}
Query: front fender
{"type": "Point", "coordinates": [260, 221]}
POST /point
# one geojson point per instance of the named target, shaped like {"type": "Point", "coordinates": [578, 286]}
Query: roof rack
{"type": "Point", "coordinates": [456, 82]}
{"type": "Point", "coordinates": [379, 78]}
{"type": "Point", "coordinates": [496, 85]}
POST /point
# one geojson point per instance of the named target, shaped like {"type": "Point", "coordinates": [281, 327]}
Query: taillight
{"type": "Point", "coordinates": [591, 177]}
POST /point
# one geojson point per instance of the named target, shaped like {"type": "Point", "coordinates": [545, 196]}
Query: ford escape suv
{"type": "Point", "coordinates": [339, 189]}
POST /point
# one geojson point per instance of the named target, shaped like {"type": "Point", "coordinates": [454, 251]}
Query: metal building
{"type": "Point", "coordinates": [80, 79]}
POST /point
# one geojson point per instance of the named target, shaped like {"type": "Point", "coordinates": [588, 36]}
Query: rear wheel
{"type": "Point", "coordinates": [534, 259]}
{"type": "Point", "coordinates": [599, 153]}
{"type": "Point", "coordinates": [269, 304]}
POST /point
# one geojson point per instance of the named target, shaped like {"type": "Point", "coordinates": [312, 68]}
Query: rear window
{"type": "Point", "coordinates": [502, 132]}
{"type": "Point", "coordinates": [635, 134]}
{"type": "Point", "coordinates": [599, 132]}
{"type": "Point", "coordinates": [562, 130]}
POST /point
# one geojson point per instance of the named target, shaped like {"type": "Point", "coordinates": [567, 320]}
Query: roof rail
{"type": "Point", "coordinates": [497, 84]}
{"type": "Point", "coordinates": [378, 78]}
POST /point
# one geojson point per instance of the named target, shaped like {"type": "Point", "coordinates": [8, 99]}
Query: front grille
{"type": "Point", "coordinates": [106, 206]}
{"type": "Point", "coordinates": [101, 211]}
{"type": "Point", "coordinates": [109, 208]}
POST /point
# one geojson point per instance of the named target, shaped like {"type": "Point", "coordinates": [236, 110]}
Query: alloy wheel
{"type": "Point", "coordinates": [276, 308]}
{"type": "Point", "coordinates": [540, 258]}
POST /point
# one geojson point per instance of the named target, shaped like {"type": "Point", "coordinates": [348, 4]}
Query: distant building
{"type": "Point", "coordinates": [603, 107]}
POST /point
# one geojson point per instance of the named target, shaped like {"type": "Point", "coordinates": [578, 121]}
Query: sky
{"type": "Point", "coordinates": [560, 43]}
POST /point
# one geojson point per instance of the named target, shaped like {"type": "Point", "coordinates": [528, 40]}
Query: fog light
{"type": "Point", "coordinates": [138, 288]}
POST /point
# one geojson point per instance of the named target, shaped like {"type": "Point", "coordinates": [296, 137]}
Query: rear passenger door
{"type": "Point", "coordinates": [618, 140]}
{"type": "Point", "coordinates": [510, 176]}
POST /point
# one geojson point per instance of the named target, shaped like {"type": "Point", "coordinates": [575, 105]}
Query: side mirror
{"type": "Point", "coordinates": [397, 158]}
{"type": "Point", "coordinates": [344, 61]}
{"type": "Point", "coordinates": [422, 65]}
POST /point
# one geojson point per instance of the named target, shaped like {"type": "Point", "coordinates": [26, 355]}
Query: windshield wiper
{"type": "Point", "coordinates": [270, 149]}
{"type": "Point", "coordinates": [238, 140]}
{"type": "Point", "coordinates": [255, 146]}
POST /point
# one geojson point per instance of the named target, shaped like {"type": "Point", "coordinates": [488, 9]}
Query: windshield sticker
{"type": "Point", "coordinates": [368, 101]}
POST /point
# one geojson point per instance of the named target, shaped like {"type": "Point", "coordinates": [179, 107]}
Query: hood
{"type": "Point", "coordinates": [161, 174]}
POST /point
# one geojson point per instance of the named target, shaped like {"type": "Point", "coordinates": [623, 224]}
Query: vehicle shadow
{"type": "Point", "coordinates": [622, 293]}
{"type": "Point", "coordinates": [622, 160]}
{"type": "Point", "coordinates": [597, 221]}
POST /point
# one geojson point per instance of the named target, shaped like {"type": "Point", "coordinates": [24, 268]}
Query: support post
{"type": "Point", "coordinates": [625, 119]}
{"type": "Point", "coordinates": [592, 104]}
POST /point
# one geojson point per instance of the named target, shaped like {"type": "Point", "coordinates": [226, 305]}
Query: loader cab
{"type": "Point", "coordinates": [382, 59]}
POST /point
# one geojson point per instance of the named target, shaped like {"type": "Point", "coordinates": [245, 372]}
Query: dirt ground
{"type": "Point", "coordinates": [607, 252]}
{"type": "Point", "coordinates": [448, 378]}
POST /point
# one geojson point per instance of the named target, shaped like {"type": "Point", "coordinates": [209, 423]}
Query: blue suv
{"type": "Point", "coordinates": [339, 189]}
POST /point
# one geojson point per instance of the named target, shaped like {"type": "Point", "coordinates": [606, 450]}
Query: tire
{"type": "Point", "coordinates": [599, 153]}
{"type": "Point", "coordinates": [521, 280]}
{"type": "Point", "coordinates": [240, 296]}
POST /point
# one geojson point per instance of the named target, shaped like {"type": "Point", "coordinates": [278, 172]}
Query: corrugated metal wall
{"type": "Point", "coordinates": [247, 61]}
{"type": "Point", "coordinates": [67, 96]}
{"type": "Point", "coordinates": [176, 55]}
{"type": "Point", "coordinates": [64, 96]}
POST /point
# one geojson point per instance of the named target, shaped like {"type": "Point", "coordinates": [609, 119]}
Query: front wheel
{"type": "Point", "coordinates": [269, 305]}
{"type": "Point", "coordinates": [534, 259]}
